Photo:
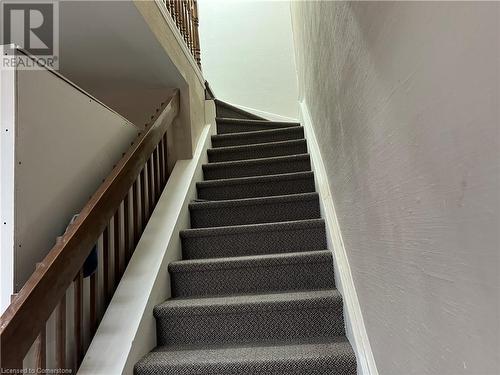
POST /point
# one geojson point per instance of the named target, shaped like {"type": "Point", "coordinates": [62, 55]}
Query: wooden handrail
{"type": "Point", "coordinates": [25, 319]}
{"type": "Point", "coordinates": [185, 15]}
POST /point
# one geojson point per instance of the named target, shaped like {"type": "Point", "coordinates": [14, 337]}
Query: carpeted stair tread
{"type": "Point", "coordinates": [254, 210]}
{"type": "Point", "coordinates": [232, 125]}
{"type": "Point", "coordinates": [257, 167]}
{"type": "Point", "coordinates": [255, 239]}
{"type": "Point", "coordinates": [260, 136]}
{"type": "Point", "coordinates": [257, 151]}
{"type": "Point", "coordinates": [250, 318]}
{"type": "Point", "coordinates": [256, 186]}
{"type": "Point", "coordinates": [319, 357]}
{"type": "Point", "coordinates": [252, 274]}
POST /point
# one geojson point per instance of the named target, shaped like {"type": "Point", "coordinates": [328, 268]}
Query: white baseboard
{"type": "Point", "coordinates": [355, 327]}
{"type": "Point", "coordinates": [267, 115]}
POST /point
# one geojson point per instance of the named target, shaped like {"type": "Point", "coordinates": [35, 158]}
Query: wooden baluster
{"type": "Point", "coordinates": [61, 333]}
{"type": "Point", "coordinates": [177, 12]}
{"type": "Point", "coordinates": [188, 24]}
{"type": "Point", "coordinates": [191, 26]}
{"type": "Point", "coordinates": [117, 219]}
{"type": "Point", "coordinates": [135, 214]}
{"type": "Point", "coordinates": [184, 19]}
{"type": "Point", "coordinates": [156, 168]}
{"type": "Point", "coordinates": [165, 155]}
{"type": "Point", "coordinates": [143, 198]}
{"type": "Point", "coordinates": [126, 233]}
{"type": "Point", "coordinates": [187, 18]}
{"type": "Point", "coordinates": [105, 265]}
{"type": "Point", "coordinates": [93, 303]}
{"type": "Point", "coordinates": [181, 16]}
{"type": "Point", "coordinates": [150, 184]}
{"type": "Point", "coordinates": [78, 317]}
{"type": "Point", "coordinates": [41, 349]}
{"type": "Point", "coordinates": [41, 345]}
{"type": "Point", "coordinates": [161, 154]}
{"type": "Point", "coordinates": [196, 39]}
{"type": "Point", "coordinates": [194, 27]}
{"type": "Point", "coordinates": [172, 8]}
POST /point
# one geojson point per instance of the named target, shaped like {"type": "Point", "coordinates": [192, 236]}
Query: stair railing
{"type": "Point", "coordinates": [115, 216]}
{"type": "Point", "coordinates": [185, 15]}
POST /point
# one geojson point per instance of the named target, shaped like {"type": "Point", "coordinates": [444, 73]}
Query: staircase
{"type": "Point", "coordinates": [255, 291]}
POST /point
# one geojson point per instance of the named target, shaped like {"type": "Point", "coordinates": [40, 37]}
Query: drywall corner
{"type": "Point", "coordinates": [7, 167]}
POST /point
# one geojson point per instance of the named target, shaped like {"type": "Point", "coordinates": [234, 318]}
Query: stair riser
{"type": "Point", "coordinates": [263, 325]}
{"type": "Point", "coordinates": [259, 189]}
{"type": "Point", "coordinates": [255, 214]}
{"type": "Point", "coordinates": [228, 128]}
{"type": "Point", "coordinates": [252, 138]}
{"type": "Point", "coordinates": [298, 276]}
{"type": "Point", "coordinates": [280, 368]}
{"type": "Point", "coordinates": [258, 152]}
{"type": "Point", "coordinates": [254, 243]}
{"type": "Point", "coordinates": [323, 366]}
{"type": "Point", "coordinates": [306, 359]}
{"type": "Point", "coordinates": [254, 169]}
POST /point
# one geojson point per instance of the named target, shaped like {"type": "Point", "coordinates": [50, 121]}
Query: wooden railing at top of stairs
{"type": "Point", "coordinates": [185, 15]}
{"type": "Point", "coordinates": [118, 212]}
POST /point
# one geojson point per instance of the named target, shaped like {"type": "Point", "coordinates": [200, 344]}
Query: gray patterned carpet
{"type": "Point", "coordinates": [255, 291]}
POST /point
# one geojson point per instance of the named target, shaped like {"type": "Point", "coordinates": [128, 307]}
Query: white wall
{"type": "Point", "coordinates": [247, 54]}
{"type": "Point", "coordinates": [66, 144]}
{"type": "Point", "coordinates": [404, 100]}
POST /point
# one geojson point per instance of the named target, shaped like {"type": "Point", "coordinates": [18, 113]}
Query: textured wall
{"type": "Point", "coordinates": [405, 103]}
{"type": "Point", "coordinates": [247, 53]}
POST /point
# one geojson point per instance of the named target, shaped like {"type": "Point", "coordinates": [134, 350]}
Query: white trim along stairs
{"type": "Point", "coordinates": [355, 326]}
